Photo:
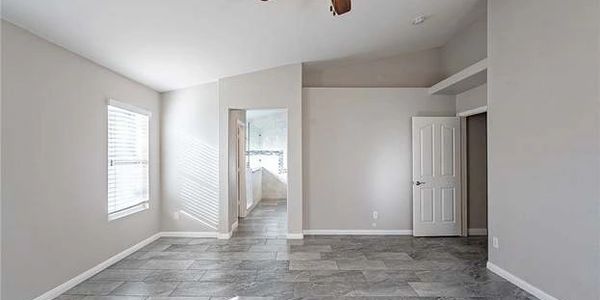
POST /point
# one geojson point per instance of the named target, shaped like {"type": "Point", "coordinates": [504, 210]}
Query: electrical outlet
{"type": "Point", "coordinates": [495, 243]}
{"type": "Point", "coordinates": [374, 224]}
{"type": "Point", "coordinates": [375, 215]}
{"type": "Point", "coordinates": [176, 215]}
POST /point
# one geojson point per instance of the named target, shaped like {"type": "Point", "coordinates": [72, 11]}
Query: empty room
{"type": "Point", "coordinates": [300, 149]}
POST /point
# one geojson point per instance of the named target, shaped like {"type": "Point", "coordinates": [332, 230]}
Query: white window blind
{"type": "Point", "coordinates": [128, 155]}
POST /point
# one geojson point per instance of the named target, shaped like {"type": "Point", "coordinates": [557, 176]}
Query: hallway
{"type": "Point", "coordinates": [267, 220]}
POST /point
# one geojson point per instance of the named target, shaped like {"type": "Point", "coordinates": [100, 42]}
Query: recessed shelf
{"type": "Point", "coordinates": [470, 77]}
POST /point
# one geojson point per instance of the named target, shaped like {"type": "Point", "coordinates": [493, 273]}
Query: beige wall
{"type": "Point", "coordinates": [357, 155]}
{"type": "Point", "coordinates": [543, 148]}
{"type": "Point", "coordinates": [274, 88]}
{"type": "Point", "coordinates": [477, 171]}
{"type": "Point", "coordinates": [419, 69]}
{"type": "Point", "coordinates": [54, 171]}
{"type": "Point", "coordinates": [190, 159]}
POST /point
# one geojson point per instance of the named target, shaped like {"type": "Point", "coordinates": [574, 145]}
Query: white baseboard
{"type": "Point", "coordinates": [519, 282]}
{"type": "Point", "coordinates": [357, 232]}
{"type": "Point", "coordinates": [295, 236]}
{"type": "Point", "coordinates": [224, 236]}
{"type": "Point", "coordinates": [477, 231]}
{"type": "Point", "coordinates": [189, 234]}
{"type": "Point", "coordinates": [59, 290]}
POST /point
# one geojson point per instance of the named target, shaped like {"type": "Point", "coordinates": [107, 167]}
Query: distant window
{"type": "Point", "coordinates": [128, 160]}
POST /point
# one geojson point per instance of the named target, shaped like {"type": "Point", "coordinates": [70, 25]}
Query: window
{"type": "Point", "coordinates": [128, 160]}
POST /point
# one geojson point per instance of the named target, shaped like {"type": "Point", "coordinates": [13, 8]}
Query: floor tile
{"type": "Point", "coordinates": [361, 265]}
{"type": "Point", "coordinates": [383, 288]}
{"type": "Point", "coordinates": [441, 289]}
{"type": "Point", "coordinates": [114, 298]}
{"type": "Point", "coordinates": [175, 275]}
{"type": "Point", "coordinates": [298, 256]}
{"type": "Point", "coordinates": [229, 275]}
{"type": "Point", "coordinates": [259, 263]}
{"type": "Point", "coordinates": [312, 289]}
{"type": "Point", "coordinates": [215, 264]}
{"type": "Point", "coordinates": [145, 289]}
{"type": "Point", "coordinates": [397, 276]}
{"type": "Point", "coordinates": [94, 288]}
{"type": "Point", "coordinates": [167, 264]}
{"type": "Point", "coordinates": [313, 265]}
{"type": "Point", "coordinates": [121, 275]}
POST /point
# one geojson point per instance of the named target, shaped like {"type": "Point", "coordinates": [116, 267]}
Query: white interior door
{"type": "Point", "coordinates": [436, 176]}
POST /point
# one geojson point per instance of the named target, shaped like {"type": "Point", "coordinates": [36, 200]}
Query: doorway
{"type": "Point", "coordinates": [450, 175]}
{"type": "Point", "coordinates": [475, 175]}
{"type": "Point", "coordinates": [261, 181]}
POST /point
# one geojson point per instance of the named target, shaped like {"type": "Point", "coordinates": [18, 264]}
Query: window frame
{"type": "Point", "coordinates": [143, 205]}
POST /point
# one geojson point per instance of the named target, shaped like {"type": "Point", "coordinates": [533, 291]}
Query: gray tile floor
{"type": "Point", "coordinates": [258, 263]}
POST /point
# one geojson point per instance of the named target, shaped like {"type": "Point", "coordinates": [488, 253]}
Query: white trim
{"type": "Point", "coordinates": [519, 282]}
{"type": "Point", "coordinates": [471, 112]}
{"type": "Point", "coordinates": [468, 78]}
{"type": "Point", "coordinates": [478, 231]}
{"type": "Point", "coordinates": [189, 234]}
{"type": "Point", "coordinates": [357, 232]}
{"type": "Point", "coordinates": [130, 211]}
{"type": "Point", "coordinates": [295, 236]}
{"type": "Point", "coordinates": [127, 106]}
{"type": "Point", "coordinates": [224, 236]}
{"type": "Point", "coordinates": [228, 235]}
{"type": "Point", "coordinates": [59, 290]}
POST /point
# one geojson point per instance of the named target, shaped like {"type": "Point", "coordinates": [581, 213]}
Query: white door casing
{"type": "Point", "coordinates": [241, 169]}
{"type": "Point", "coordinates": [436, 176]}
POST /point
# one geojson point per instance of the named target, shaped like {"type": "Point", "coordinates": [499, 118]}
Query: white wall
{"type": "Point", "coordinates": [190, 164]}
{"type": "Point", "coordinates": [419, 69]}
{"type": "Point", "coordinates": [54, 171]}
{"type": "Point", "coordinates": [544, 150]}
{"type": "Point", "coordinates": [471, 99]}
{"type": "Point", "coordinates": [357, 155]}
{"type": "Point", "coordinates": [274, 88]}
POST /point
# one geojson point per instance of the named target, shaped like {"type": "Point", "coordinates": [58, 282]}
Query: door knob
{"type": "Point", "coordinates": [419, 182]}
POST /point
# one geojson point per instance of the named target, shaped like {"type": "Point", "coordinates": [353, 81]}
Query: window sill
{"type": "Point", "coordinates": [124, 213]}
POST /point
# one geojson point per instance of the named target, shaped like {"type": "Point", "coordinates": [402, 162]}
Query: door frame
{"type": "Point", "coordinates": [464, 171]}
{"type": "Point", "coordinates": [241, 169]}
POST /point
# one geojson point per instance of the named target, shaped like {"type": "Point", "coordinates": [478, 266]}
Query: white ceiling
{"type": "Point", "coordinates": [170, 44]}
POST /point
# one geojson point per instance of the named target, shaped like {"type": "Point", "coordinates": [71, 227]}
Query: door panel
{"type": "Point", "coordinates": [436, 176]}
{"type": "Point", "coordinates": [426, 203]}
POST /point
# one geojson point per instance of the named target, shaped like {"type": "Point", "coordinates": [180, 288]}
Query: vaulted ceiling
{"type": "Point", "coordinates": [170, 44]}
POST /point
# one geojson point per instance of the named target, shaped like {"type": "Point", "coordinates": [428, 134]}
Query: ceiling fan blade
{"type": "Point", "coordinates": [341, 7]}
